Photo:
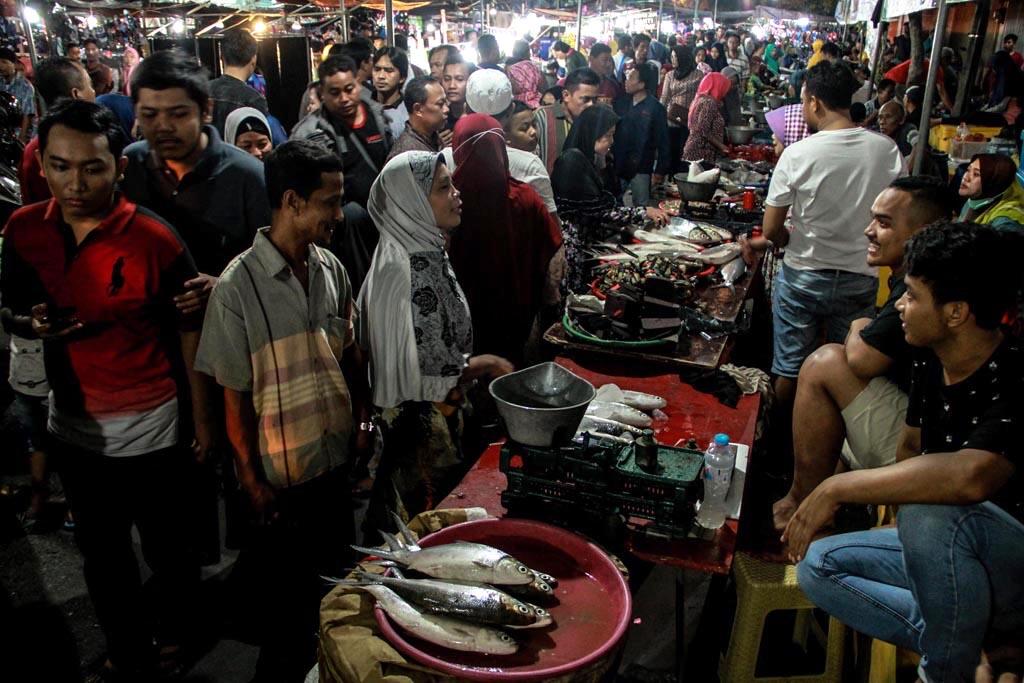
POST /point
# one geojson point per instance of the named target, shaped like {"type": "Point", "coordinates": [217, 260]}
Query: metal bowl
{"type": "Point", "coordinates": [542, 405]}
{"type": "Point", "coordinates": [740, 135]}
{"type": "Point", "coordinates": [694, 192]}
{"type": "Point", "coordinates": [776, 101]}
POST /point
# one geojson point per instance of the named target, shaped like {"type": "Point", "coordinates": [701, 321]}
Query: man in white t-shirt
{"type": "Point", "coordinates": [826, 183]}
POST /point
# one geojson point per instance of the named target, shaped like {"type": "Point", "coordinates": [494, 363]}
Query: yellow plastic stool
{"type": "Point", "coordinates": [763, 587]}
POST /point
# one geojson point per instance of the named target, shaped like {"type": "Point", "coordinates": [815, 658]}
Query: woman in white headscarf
{"type": "Point", "coordinates": [415, 323]}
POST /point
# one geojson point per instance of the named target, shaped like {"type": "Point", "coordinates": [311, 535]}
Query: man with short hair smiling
{"type": "Point", "coordinates": [851, 398]}
{"type": "Point", "coordinates": [553, 123]}
{"type": "Point", "coordinates": [280, 323]}
{"type": "Point", "coordinates": [94, 276]}
{"type": "Point", "coordinates": [230, 91]}
{"type": "Point", "coordinates": [351, 124]}
{"type": "Point", "coordinates": [428, 113]}
{"type": "Point", "coordinates": [210, 191]}
{"type": "Point", "coordinates": [946, 581]}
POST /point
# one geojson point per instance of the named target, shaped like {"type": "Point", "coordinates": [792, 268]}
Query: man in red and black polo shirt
{"type": "Point", "coordinates": [94, 276]}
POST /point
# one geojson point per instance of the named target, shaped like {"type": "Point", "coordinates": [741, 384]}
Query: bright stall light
{"type": "Point", "coordinates": [259, 26]}
{"type": "Point", "coordinates": [178, 26]}
{"type": "Point", "coordinates": [429, 28]}
{"type": "Point", "coordinates": [32, 16]}
{"type": "Point", "coordinates": [91, 21]}
{"type": "Point", "coordinates": [493, 11]}
{"type": "Point", "coordinates": [219, 25]}
{"type": "Point", "coordinates": [667, 27]}
{"type": "Point", "coordinates": [803, 22]}
{"type": "Point", "coordinates": [759, 32]}
{"type": "Point", "coordinates": [296, 26]}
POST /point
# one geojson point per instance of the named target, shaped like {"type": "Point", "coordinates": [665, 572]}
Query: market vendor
{"type": "Point", "coordinates": [994, 193]}
{"type": "Point", "coordinates": [581, 182]}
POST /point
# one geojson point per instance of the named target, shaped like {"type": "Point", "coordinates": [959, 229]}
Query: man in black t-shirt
{"type": "Point", "coordinates": [946, 581]}
{"type": "Point", "coordinates": [851, 398]}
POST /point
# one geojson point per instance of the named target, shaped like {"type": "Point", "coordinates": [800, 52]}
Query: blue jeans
{"type": "Point", "coordinates": [803, 299]}
{"type": "Point", "coordinates": [640, 186]}
{"type": "Point", "coordinates": [937, 584]}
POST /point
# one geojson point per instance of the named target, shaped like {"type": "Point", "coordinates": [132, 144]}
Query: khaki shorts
{"type": "Point", "coordinates": [874, 423]}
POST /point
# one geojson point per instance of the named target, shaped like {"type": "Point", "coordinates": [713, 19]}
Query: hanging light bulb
{"type": "Point", "coordinates": [91, 21]}
{"type": "Point", "coordinates": [32, 16]}
{"type": "Point", "coordinates": [219, 25]}
{"type": "Point", "coordinates": [494, 11]}
{"type": "Point", "coordinates": [259, 26]}
{"type": "Point", "coordinates": [296, 26]}
{"type": "Point", "coordinates": [178, 26]}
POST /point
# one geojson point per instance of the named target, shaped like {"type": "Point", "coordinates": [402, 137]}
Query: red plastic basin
{"type": "Point", "coordinates": [593, 610]}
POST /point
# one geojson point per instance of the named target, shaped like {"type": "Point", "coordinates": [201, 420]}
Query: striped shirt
{"type": "Point", "coordinates": [552, 128]}
{"type": "Point", "coordinates": [264, 334]}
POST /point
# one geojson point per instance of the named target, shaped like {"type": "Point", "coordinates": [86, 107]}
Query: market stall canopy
{"type": "Point", "coordinates": [397, 5]}
{"type": "Point", "coordinates": [895, 9]}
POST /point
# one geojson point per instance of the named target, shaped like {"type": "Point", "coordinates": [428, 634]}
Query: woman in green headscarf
{"type": "Point", "coordinates": [771, 55]}
{"type": "Point", "coordinates": [994, 193]}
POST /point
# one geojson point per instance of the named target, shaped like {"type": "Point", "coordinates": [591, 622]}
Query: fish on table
{"type": "Point", "coordinates": [448, 632]}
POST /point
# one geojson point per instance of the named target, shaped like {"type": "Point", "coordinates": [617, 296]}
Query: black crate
{"type": "Point", "coordinates": [597, 481]}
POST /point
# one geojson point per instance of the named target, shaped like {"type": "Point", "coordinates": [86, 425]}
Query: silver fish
{"type": "Point", "coordinates": [530, 593]}
{"type": "Point", "coordinates": [453, 634]}
{"type": "Point", "coordinates": [619, 412]}
{"type": "Point", "coordinates": [593, 423]}
{"type": "Point", "coordinates": [479, 603]}
{"type": "Point", "coordinates": [543, 619]}
{"type": "Point", "coordinates": [642, 401]}
{"type": "Point", "coordinates": [548, 579]}
{"type": "Point", "coordinates": [459, 561]}
{"type": "Point", "coordinates": [732, 272]}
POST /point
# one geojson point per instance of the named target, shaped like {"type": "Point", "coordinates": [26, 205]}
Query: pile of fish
{"type": "Point", "coordinates": [619, 415]}
{"type": "Point", "coordinates": [469, 595]}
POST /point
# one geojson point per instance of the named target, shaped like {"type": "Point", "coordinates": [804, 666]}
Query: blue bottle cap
{"type": "Point", "coordinates": [721, 439]}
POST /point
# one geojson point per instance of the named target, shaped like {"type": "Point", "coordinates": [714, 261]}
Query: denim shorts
{"type": "Point", "coordinates": [28, 415]}
{"type": "Point", "coordinates": [804, 300]}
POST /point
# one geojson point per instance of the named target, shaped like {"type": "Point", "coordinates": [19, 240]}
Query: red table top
{"type": "Point", "coordinates": [690, 414]}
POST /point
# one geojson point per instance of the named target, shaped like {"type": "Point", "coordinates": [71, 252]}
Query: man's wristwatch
{"type": "Point", "coordinates": [367, 427]}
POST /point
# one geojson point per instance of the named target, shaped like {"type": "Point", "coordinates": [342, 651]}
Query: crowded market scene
{"type": "Point", "coordinates": [627, 341]}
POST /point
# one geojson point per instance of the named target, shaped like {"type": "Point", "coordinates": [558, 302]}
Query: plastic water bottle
{"type": "Point", "coordinates": [719, 460]}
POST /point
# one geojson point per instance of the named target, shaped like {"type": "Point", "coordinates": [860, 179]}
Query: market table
{"type": "Point", "coordinates": [721, 302]}
{"type": "Point", "coordinates": [690, 414]}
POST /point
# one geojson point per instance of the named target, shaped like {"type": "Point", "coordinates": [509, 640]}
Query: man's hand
{"type": "Point", "coordinates": [47, 328]}
{"type": "Point", "coordinates": [753, 247]}
{"type": "Point", "coordinates": [205, 441]}
{"type": "Point", "coordinates": [446, 138]}
{"type": "Point", "coordinates": [199, 291]}
{"type": "Point", "coordinates": [814, 513]}
{"type": "Point", "coordinates": [487, 365]}
{"type": "Point", "coordinates": [657, 215]}
{"type": "Point", "coordinates": [260, 494]}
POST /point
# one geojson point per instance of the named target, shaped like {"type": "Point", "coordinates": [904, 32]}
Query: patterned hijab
{"type": "Point", "coordinates": [527, 82]}
{"type": "Point", "coordinates": [416, 322]}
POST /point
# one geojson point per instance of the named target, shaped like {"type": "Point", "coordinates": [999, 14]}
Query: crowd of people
{"type": "Point", "coordinates": [218, 295]}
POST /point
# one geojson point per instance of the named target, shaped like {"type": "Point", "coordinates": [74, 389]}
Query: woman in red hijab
{"type": "Point", "coordinates": [505, 243]}
{"type": "Point", "coordinates": [707, 126]}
